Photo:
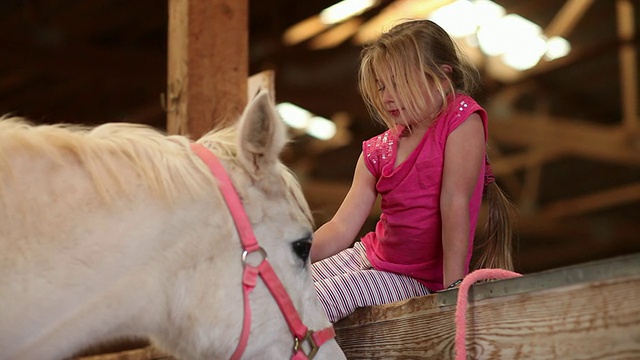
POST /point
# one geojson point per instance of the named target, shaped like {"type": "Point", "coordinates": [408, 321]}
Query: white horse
{"type": "Point", "coordinates": [120, 231]}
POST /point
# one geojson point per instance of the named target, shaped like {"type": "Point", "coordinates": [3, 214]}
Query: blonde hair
{"type": "Point", "coordinates": [411, 56]}
{"type": "Point", "coordinates": [494, 251]}
{"type": "Point", "coordinates": [408, 58]}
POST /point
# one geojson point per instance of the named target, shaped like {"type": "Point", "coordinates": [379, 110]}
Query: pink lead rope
{"type": "Point", "coordinates": [461, 307]}
{"type": "Point", "coordinates": [302, 335]}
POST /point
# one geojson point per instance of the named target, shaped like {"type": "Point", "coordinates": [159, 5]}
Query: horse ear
{"type": "Point", "coordinates": [261, 134]}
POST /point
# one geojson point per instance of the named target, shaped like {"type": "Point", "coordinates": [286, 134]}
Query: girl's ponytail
{"type": "Point", "coordinates": [495, 249]}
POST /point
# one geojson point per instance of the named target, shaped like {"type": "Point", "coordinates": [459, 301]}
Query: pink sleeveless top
{"type": "Point", "coordinates": [408, 237]}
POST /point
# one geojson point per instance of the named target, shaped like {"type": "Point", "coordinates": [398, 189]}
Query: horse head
{"type": "Point", "coordinates": [281, 315]}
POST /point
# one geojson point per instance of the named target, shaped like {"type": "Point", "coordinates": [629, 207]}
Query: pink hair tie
{"type": "Point", "coordinates": [488, 176]}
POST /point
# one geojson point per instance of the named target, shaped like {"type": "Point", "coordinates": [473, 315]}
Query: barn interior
{"type": "Point", "coordinates": [564, 132]}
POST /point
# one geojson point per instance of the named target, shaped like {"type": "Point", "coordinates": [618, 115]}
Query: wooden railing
{"type": "Point", "coordinates": [587, 311]}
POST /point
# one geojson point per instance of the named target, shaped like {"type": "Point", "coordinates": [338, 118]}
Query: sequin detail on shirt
{"type": "Point", "coordinates": [380, 149]}
{"type": "Point", "coordinates": [461, 107]}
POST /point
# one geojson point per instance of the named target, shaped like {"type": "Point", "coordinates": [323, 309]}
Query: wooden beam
{"type": "Point", "coordinates": [528, 199]}
{"type": "Point", "coordinates": [533, 171]}
{"type": "Point", "coordinates": [567, 18]}
{"type": "Point", "coordinates": [508, 164]}
{"type": "Point", "coordinates": [303, 30]}
{"type": "Point", "coordinates": [578, 312]}
{"type": "Point", "coordinates": [596, 201]}
{"type": "Point", "coordinates": [628, 65]}
{"type": "Point", "coordinates": [603, 143]}
{"type": "Point", "coordinates": [336, 35]}
{"type": "Point", "coordinates": [208, 64]}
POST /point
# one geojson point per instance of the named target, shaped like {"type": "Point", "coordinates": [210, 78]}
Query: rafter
{"type": "Point", "coordinates": [504, 165]}
{"type": "Point", "coordinates": [628, 65]}
{"type": "Point", "coordinates": [570, 136]}
{"type": "Point", "coordinates": [591, 202]}
{"type": "Point", "coordinates": [567, 18]}
{"type": "Point", "coordinates": [336, 35]}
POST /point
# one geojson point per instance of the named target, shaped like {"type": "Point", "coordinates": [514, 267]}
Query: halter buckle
{"type": "Point", "coordinates": [246, 260]}
{"type": "Point", "coordinates": [311, 343]}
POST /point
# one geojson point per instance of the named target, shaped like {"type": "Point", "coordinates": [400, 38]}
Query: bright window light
{"type": "Point", "coordinates": [506, 33]}
{"type": "Point", "coordinates": [557, 47]}
{"type": "Point", "coordinates": [293, 115]}
{"type": "Point", "coordinates": [321, 128]}
{"type": "Point", "coordinates": [489, 38]}
{"type": "Point", "coordinates": [487, 11]}
{"type": "Point", "coordinates": [344, 10]}
{"type": "Point", "coordinates": [302, 119]}
{"type": "Point", "coordinates": [526, 54]}
{"type": "Point", "coordinates": [459, 18]}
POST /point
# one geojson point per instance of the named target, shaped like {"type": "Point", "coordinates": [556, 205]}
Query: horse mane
{"type": "Point", "coordinates": [163, 162]}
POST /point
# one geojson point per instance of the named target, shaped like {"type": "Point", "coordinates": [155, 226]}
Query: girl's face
{"type": "Point", "coordinates": [426, 98]}
{"type": "Point", "coordinates": [392, 106]}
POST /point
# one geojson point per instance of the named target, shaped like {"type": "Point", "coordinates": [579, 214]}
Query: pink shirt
{"type": "Point", "coordinates": [408, 237]}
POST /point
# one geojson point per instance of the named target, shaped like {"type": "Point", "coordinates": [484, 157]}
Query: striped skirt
{"type": "Point", "coordinates": [347, 281]}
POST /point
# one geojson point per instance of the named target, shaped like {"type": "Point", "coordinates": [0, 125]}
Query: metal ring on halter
{"type": "Point", "coordinates": [308, 338]}
{"type": "Point", "coordinates": [260, 250]}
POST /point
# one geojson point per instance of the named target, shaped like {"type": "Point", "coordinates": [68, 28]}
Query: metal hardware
{"type": "Point", "coordinates": [308, 339]}
{"type": "Point", "coordinates": [254, 262]}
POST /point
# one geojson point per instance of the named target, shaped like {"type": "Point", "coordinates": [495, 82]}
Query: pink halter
{"type": "Point", "coordinates": [301, 334]}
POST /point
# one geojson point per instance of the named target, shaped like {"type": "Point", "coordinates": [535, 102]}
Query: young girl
{"type": "Point", "coordinates": [430, 169]}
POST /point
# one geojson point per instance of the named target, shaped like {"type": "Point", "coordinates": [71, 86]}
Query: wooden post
{"type": "Point", "coordinates": [628, 65]}
{"type": "Point", "coordinates": [207, 64]}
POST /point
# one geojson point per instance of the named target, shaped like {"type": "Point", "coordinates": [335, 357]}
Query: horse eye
{"type": "Point", "coordinates": [302, 248]}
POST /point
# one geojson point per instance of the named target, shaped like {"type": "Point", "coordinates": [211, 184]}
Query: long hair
{"type": "Point", "coordinates": [405, 60]}
{"type": "Point", "coordinates": [494, 250]}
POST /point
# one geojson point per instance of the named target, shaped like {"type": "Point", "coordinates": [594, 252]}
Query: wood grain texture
{"type": "Point", "coordinates": [591, 320]}
{"type": "Point", "coordinates": [207, 64]}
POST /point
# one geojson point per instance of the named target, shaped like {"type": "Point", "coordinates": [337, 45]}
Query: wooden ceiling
{"type": "Point", "coordinates": [565, 135]}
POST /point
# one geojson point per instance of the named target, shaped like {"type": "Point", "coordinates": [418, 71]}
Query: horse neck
{"type": "Point", "coordinates": [116, 287]}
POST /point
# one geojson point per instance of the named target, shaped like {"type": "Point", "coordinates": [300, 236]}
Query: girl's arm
{"type": "Point", "coordinates": [339, 232]}
{"type": "Point", "coordinates": [463, 161]}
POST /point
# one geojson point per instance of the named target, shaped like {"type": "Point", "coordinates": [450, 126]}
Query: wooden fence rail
{"type": "Point", "coordinates": [587, 311]}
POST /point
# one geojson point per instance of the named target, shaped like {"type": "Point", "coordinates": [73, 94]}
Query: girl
{"type": "Point", "coordinates": [430, 169]}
